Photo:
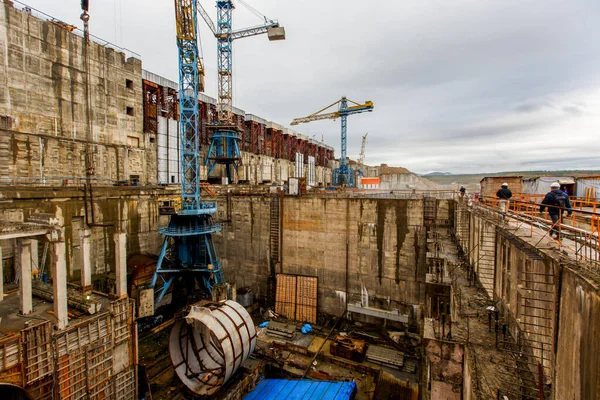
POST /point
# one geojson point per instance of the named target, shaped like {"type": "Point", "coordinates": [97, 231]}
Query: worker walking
{"type": "Point", "coordinates": [504, 194]}
{"type": "Point", "coordinates": [556, 201]}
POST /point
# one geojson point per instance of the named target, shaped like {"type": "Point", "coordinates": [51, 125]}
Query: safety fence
{"type": "Point", "coordinates": [577, 228]}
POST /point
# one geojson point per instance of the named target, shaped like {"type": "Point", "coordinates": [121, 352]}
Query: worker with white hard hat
{"type": "Point", "coordinates": [556, 201]}
{"type": "Point", "coordinates": [504, 194]}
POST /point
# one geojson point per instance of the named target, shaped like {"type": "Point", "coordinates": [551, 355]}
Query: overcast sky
{"type": "Point", "coordinates": [458, 85]}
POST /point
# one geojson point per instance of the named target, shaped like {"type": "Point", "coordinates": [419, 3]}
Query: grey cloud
{"type": "Point", "coordinates": [452, 82]}
{"type": "Point", "coordinates": [573, 109]}
{"type": "Point", "coordinates": [531, 107]}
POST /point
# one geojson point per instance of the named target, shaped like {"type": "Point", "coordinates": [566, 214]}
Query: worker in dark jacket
{"type": "Point", "coordinates": [556, 201]}
{"type": "Point", "coordinates": [504, 194]}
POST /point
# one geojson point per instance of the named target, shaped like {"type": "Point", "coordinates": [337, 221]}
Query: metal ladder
{"type": "Point", "coordinates": [275, 229]}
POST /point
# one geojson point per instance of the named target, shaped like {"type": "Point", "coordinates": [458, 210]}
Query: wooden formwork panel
{"type": "Point", "coordinates": [100, 383]}
{"type": "Point", "coordinates": [285, 296]}
{"type": "Point", "coordinates": [122, 317]}
{"type": "Point", "coordinates": [71, 375]}
{"type": "Point", "coordinates": [296, 297]}
{"type": "Point", "coordinates": [42, 389]}
{"type": "Point", "coordinates": [306, 299]}
{"type": "Point", "coordinates": [125, 384]}
{"type": "Point", "coordinates": [37, 352]}
{"type": "Point", "coordinates": [10, 352]}
{"type": "Point", "coordinates": [83, 334]}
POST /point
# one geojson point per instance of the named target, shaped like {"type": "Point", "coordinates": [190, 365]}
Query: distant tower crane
{"type": "Point", "coordinates": [224, 147]}
{"type": "Point", "coordinates": [361, 159]}
{"type": "Point", "coordinates": [342, 176]}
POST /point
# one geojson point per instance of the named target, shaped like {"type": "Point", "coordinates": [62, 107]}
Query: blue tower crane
{"type": "Point", "coordinates": [224, 146]}
{"type": "Point", "coordinates": [188, 247]}
{"type": "Point", "coordinates": [344, 175]}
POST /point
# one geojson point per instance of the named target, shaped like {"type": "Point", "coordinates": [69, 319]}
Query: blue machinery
{"type": "Point", "coordinates": [188, 247]}
{"type": "Point", "coordinates": [344, 175]}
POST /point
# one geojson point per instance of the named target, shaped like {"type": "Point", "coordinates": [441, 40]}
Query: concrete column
{"type": "Point", "coordinates": [86, 269]}
{"type": "Point", "coordinates": [59, 284]}
{"type": "Point", "coordinates": [25, 295]}
{"type": "Point", "coordinates": [35, 258]}
{"type": "Point", "coordinates": [1, 277]}
{"type": "Point", "coordinates": [121, 263]}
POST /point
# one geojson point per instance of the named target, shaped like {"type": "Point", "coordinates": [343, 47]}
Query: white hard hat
{"type": "Point", "coordinates": [505, 184]}
{"type": "Point", "coordinates": [555, 185]}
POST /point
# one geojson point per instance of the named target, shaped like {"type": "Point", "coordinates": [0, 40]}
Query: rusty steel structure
{"type": "Point", "coordinates": [210, 345]}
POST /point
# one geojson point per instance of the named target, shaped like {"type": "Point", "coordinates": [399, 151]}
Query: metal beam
{"type": "Point", "coordinates": [376, 312]}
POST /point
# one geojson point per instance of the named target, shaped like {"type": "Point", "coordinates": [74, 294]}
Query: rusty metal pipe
{"type": "Point", "coordinates": [210, 344]}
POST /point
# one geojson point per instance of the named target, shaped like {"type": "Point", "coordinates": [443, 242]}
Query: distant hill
{"type": "Point", "coordinates": [471, 181]}
{"type": "Point", "coordinates": [436, 173]}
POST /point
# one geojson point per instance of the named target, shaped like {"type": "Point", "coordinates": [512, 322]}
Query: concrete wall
{"type": "Point", "coordinates": [577, 361]}
{"type": "Point", "coordinates": [374, 247]}
{"type": "Point", "coordinates": [518, 278]}
{"type": "Point", "coordinates": [243, 245]}
{"type": "Point", "coordinates": [44, 104]}
{"type": "Point", "coordinates": [547, 303]}
{"type": "Point", "coordinates": [380, 243]}
{"type": "Point", "coordinates": [132, 210]}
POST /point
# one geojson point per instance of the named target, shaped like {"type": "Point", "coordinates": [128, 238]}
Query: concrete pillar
{"type": "Point", "coordinates": [121, 263]}
{"type": "Point", "coordinates": [86, 269]}
{"type": "Point", "coordinates": [24, 258]}
{"type": "Point", "coordinates": [59, 284]}
{"type": "Point", "coordinates": [1, 276]}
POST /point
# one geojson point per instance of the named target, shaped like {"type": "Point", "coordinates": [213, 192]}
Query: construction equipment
{"type": "Point", "coordinates": [344, 175]}
{"type": "Point", "coordinates": [188, 247]}
{"type": "Point", "coordinates": [361, 159]}
{"type": "Point", "coordinates": [345, 347]}
{"type": "Point", "coordinates": [210, 344]}
{"type": "Point", "coordinates": [224, 146]}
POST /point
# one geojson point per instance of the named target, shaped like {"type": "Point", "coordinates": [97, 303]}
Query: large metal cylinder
{"type": "Point", "coordinates": [210, 345]}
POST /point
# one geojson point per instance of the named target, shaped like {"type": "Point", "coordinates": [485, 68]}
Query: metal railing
{"type": "Point", "coordinates": [191, 230]}
{"type": "Point", "coordinates": [578, 232]}
{"type": "Point", "coordinates": [71, 181]}
{"type": "Point", "coordinates": [398, 194]}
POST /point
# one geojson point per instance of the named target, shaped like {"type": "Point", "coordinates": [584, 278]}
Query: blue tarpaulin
{"type": "Point", "coordinates": [302, 390]}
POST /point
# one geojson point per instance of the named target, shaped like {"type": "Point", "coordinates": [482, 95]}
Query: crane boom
{"type": "Point", "coordinates": [343, 174]}
{"type": "Point", "coordinates": [268, 27]}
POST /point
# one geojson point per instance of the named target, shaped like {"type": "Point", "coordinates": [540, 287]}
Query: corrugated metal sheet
{"type": "Point", "coordinates": [311, 171]}
{"type": "Point", "coordinates": [302, 389]}
{"type": "Point", "coordinates": [541, 185]}
{"type": "Point", "coordinates": [168, 151]}
{"type": "Point", "coordinates": [588, 187]}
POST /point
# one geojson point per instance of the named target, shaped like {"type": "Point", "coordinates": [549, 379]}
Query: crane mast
{"type": "Point", "coordinates": [363, 145]}
{"type": "Point", "coordinates": [188, 255]}
{"type": "Point", "coordinates": [224, 141]}
{"type": "Point", "coordinates": [343, 175]}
